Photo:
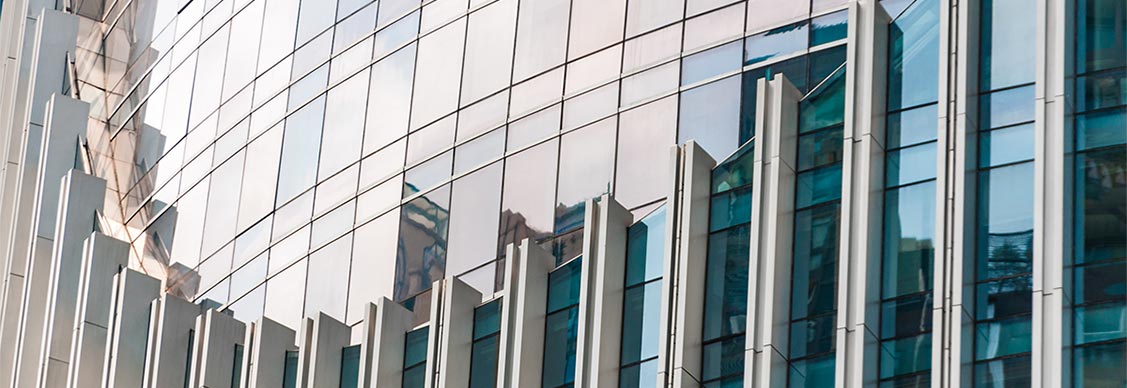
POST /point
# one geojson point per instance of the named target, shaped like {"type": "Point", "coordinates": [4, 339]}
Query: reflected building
{"type": "Point", "coordinates": [563, 193]}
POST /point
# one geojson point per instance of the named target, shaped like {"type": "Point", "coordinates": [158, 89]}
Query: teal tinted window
{"type": "Point", "coordinates": [913, 52]}
{"type": "Point", "coordinates": [289, 371]}
{"type": "Point", "coordinates": [350, 367]}
{"type": "Point", "coordinates": [562, 325]}
{"type": "Point", "coordinates": [486, 339]}
{"type": "Point", "coordinates": [641, 315]}
{"type": "Point", "coordinates": [828, 28]}
{"type": "Point", "coordinates": [645, 248]}
{"type": "Point", "coordinates": [237, 367]}
{"type": "Point", "coordinates": [1007, 50]}
{"type": "Point", "coordinates": [777, 42]}
{"type": "Point", "coordinates": [415, 358]}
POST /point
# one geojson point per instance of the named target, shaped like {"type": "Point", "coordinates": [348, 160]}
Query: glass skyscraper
{"type": "Point", "coordinates": [563, 193]}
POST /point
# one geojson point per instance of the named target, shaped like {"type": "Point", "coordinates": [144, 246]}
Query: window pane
{"type": "Point", "coordinates": [910, 165]}
{"type": "Point", "coordinates": [439, 70]}
{"type": "Point", "coordinates": [828, 28]}
{"type": "Point", "coordinates": [1100, 365]}
{"type": "Point", "coordinates": [906, 355]}
{"type": "Point", "coordinates": [645, 15]}
{"type": "Point", "coordinates": [1007, 145]}
{"type": "Point", "coordinates": [820, 149]}
{"type": "Point", "coordinates": [1101, 282]}
{"type": "Point", "coordinates": [913, 38]}
{"type": "Point", "coordinates": [421, 257]}
{"type": "Point", "coordinates": [344, 116]}
{"type": "Point", "coordinates": [812, 336]}
{"type": "Point", "coordinates": [645, 137]}
{"type": "Point", "coordinates": [777, 42]}
{"type": "Point", "coordinates": [730, 208]}
{"type": "Point", "coordinates": [818, 186]}
{"type": "Point", "coordinates": [1101, 322]}
{"type": "Point", "coordinates": [1007, 107]}
{"type": "Point", "coordinates": [815, 261]}
{"type": "Point", "coordinates": [710, 115]}
{"type": "Point", "coordinates": [645, 248]}
{"type": "Point", "coordinates": [328, 269]}
{"type": "Point", "coordinates": [1002, 338]}
{"type": "Point", "coordinates": [1009, 30]}
{"type": "Point", "coordinates": [812, 373]}
{"type": "Point", "coordinates": [725, 302]}
{"type": "Point", "coordinates": [300, 146]}
{"type": "Point", "coordinates": [541, 37]}
{"type": "Point", "coordinates": [1098, 234]}
{"type": "Point", "coordinates": [586, 171]}
{"type": "Point", "coordinates": [474, 216]}
{"type": "Point", "coordinates": [641, 318]}
{"type": "Point", "coordinates": [723, 358]}
{"type": "Point", "coordinates": [529, 195]}
{"type": "Point", "coordinates": [595, 24]}
{"type": "Point", "coordinates": [489, 50]}
{"type": "Point", "coordinates": [913, 126]}
{"type": "Point", "coordinates": [1005, 221]}
{"type": "Point", "coordinates": [389, 99]}
{"type": "Point", "coordinates": [710, 63]}
{"type": "Point", "coordinates": [906, 316]}
{"type": "Point", "coordinates": [1004, 298]}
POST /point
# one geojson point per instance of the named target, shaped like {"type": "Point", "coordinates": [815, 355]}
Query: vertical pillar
{"type": "Point", "coordinates": [686, 248]}
{"type": "Point", "coordinates": [130, 330]}
{"type": "Point", "coordinates": [171, 333]}
{"type": "Point", "coordinates": [604, 249]}
{"type": "Point", "coordinates": [772, 228]}
{"type": "Point", "coordinates": [392, 323]}
{"type": "Point", "coordinates": [104, 257]}
{"type": "Point", "coordinates": [456, 339]}
{"type": "Point", "coordinates": [54, 38]}
{"type": "Point", "coordinates": [862, 197]}
{"type": "Point", "coordinates": [267, 355]}
{"type": "Point", "coordinates": [214, 364]}
{"type": "Point", "coordinates": [66, 123]}
{"type": "Point", "coordinates": [523, 315]}
{"type": "Point", "coordinates": [435, 333]}
{"type": "Point", "coordinates": [368, 345]}
{"type": "Point", "coordinates": [323, 356]}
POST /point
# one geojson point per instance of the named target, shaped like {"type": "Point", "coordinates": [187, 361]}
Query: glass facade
{"type": "Point", "coordinates": [1003, 283]}
{"type": "Point", "coordinates": [415, 358]}
{"type": "Point", "coordinates": [1099, 225]}
{"type": "Point", "coordinates": [350, 367]}
{"type": "Point", "coordinates": [908, 236]}
{"type": "Point", "coordinates": [641, 315]}
{"type": "Point", "coordinates": [817, 218]}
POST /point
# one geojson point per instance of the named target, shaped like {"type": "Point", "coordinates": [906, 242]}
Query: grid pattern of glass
{"type": "Point", "coordinates": [561, 329]}
{"type": "Point", "coordinates": [641, 316]}
{"type": "Point", "coordinates": [1003, 285]}
{"type": "Point", "coordinates": [909, 199]}
{"type": "Point", "coordinates": [1099, 227]}
{"type": "Point", "coordinates": [486, 342]}
{"type": "Point", "coordinates": [415, 358]}
{"type": "Point", "coordinates": [286, 147]}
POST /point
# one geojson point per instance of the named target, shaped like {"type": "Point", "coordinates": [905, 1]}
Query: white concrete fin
{"type": "Point", "coordinates": [173, 337]}
{"type": "Point", "coordinates": [392, 322]}
{"type": "Point", "coordinates": [329, 338]}
{"type": "Point", "coordinates": [104, 257]}
{"type": "Point", "coordinates": [216, 360]}
{"type": "Point", "coordinates": [605, 249]}
{"type": "Point", "coordinates": [267, 354]}
{"type": "Point", "coordinates": [523, 315]}
{"type": "Point", "coordinates": [456, 337]}
{"type": "Point", "coordinates": [129, 333]}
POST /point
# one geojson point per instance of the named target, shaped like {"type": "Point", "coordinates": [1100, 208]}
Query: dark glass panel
{"type": "Point", "coordinates": [905, 356]}
{"type": "Point", "coordinates": [487, 319]}
{"type": "Point", "coordinates": [820, 149]}
{"type": "Point", "coordinates": [812, 373]}
{"type": "Point", "coordinates": [910, 232]}
{"type": "Point", "coordinates": [906, 316]}
{"type": "Point", "coordinates": [723, 358]}
{"type": "Point", "coordinates": [289, 370]}
{"type": "Point", "coordinates": [350, 367]}
{"type": "Point", "coordinates": [483, 364]}
{"type": "Point", "coordinates": [645, 248]}
{"type": "Point", "coordinates": [1101, 217]}
{"type": "Point", "coordinates": [1002, 338]}
{"type": "Point", "coordinates": [642, 375]}
{"type": "Point", "coordinates": [815, 261]}
{"type": "Point", "coordinates": [1100, 35]}
{"type": "Point", "coordinates": [1099, 129]}
{"type": "Point", "coordinates": [1101, 282]}
{"type": "Point", "coordinates": [812, 336]}
{"type": "Point", "coordinates": [1006, 372]}
{"type": "Point", "coordinates": [1101, 322]}
{"type": "Point", "coordinates": [725, 302]}
{"type": "Point", "coordinates": [824, 62]}
{"type": "Point", "coordinates": [415, 352]}
{"type": "Point", "coordinates": [818, 186]}
{"type": "Point", "coordinates": [1101, 90]}
{"type": "Point", "coordinates": [1100, 365]}
{"type": "Point", "coordinates": [562, 329]}
{"type": "Point", "coordinates": [824, 107]}
{"type": "Point", "coordinates": [563, 286]}
{"type": "Point", "coordinates": [912, 381]}
{"type": "Point", "coordinates": [730, 208]}
{"type": "Point", "coordinates": [1004, 298]}
{"type": "Point", "coordinates": [736, 171]}
{"type": "Point", "coordinates": [641, 317]}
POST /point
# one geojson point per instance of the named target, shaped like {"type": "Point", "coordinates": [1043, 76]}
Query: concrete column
{"type": "Point", "coordinates": [53, 272]}
{"type": "Point", "coordinates": [435, 333]}
{"type": "Point", "coordinates": [66, 124]}
{"type": "Point", "coordinates": [772, 229]}
{"type": "Point", "coordinates": [392, 322]}
{"type": "Point", "coordinates": [172, 335]}
{"type": "Point", "coordinates": [130, 330]}
{"type": "Point", "coordinates": [605, 248]}
{"type": "Point", "coordinates": [55, 36]}
{"type": "Point", "coordinates": [859, 278]}
{"type": "Point", "coordinates": [267, 355]}
{"type": "Point", "coordinates": [686, 248]}
{"type": "Point", "coordinates": [523, 315]}
{"type": "Point", "coordinates": [368, 345]}
{"type": "Point", "coordinates": [328, 337]}
{"type": "Point", "coordinates": [104, 257]}
{"type": "Point", "coordinates": [455, 343]}
{"type": "Point", "coordinates": [1051, 314]}
{"type": "Point", "coordinates": [214, 363]}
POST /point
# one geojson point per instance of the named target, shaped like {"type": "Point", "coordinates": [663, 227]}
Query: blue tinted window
{"type": "Point", "coordinates": [818, 186]}
{"type": "Point", "coordinates": [910, 165]}
{"type": "Point", "coordinates": [645, 248]}
{"type": "Point", "coordinates": [289, 370]}
{"type": "Point", "coordinates": [483, 354]}
{"type": "Point", "coordinates": [913, 69]}
{"type": "Point", "coordinates": [350, 367]}
{"type": "Point", "coordinates": [1005, 222]}
{"type": "Point", "coordinates": [1005, 146]}
{"type": "Point", "coordinates": [1007, 107]}
{"type": "Point", "coordinates": [735, 172]}
{"type": "Point", "coordinates": [777, 42]}
{"type": "Point", "coordinates": [909, 233]}
{"type": "Point", "coordinates": [913, 126]}
{"type": "Point", "coordinates": [1007, 49]}
{"type": "Point", "coordinates": [710, 63]}
{"type": "Point", "coordinates": [828, 28]}
{"type": "Point", "coordinates": [812, 372]}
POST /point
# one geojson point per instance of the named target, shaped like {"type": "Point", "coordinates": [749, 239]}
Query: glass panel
{"type": "Point", "coordinates": [300, 146]}
{"type": "Point", "coordinates": [483, 363]}
{"type": "Point", "coordinates": [913, 126]}
{"type": "Point", "coordinates": [651, 48]}
{"type": "Point", "coordinates": [1005, 146]}
{"type": "Point", "coordinates": [428, 141]}
{"type": "Point", "coordinates": [328, 269]}
{"type": "Point", "coordinates": [563, 286]}
{"type": "Point", "coordinates": [427, 174]}
{"type": "Point", "coordinates": [725, 302]}
{"type": "Point", "coordinates": [1100, 365]}
{"type": "Point", "coordinates": [910, 165]}
{"type": "Point", "coordinates": [909, 232]}
{"type": "Point", "coordinates": [559, 348]}
{"type": "Point", "coordinates": [439, 70]}
{"type": "Point", "coordinates": [1008, 51]}
{"type": "Point", "coordinates": [815, 261]}
{"type": "Point", "coordinates": [372, 276]}
{"type": "Point", "coordinates": [723, 358]}
{"type": "Point", "coordinates": [1007, 107]}
{"type": "Point", "coordinates": [905, 355]}
{"type": "Point", "coordinates": [820, 149]}
{"type": "Point", "coordinates": [906, 316]}
{"type": "Point", "coordinates": [1002, 338]}
{"type": "Point", "coordinates": [289, 370]}
{"type": "Point", "coordinates": [645, 135]}
{"type": "Point", "coordinates": [421, 257]}
{"type": "Point", "coordinates": [641, 317]}
{"type": "Point", "coordinates": [777, 42]}
{"type": "Point", "coordinates": [818, 186]}
{"type": "Point", "coordinates": [1101, 322]}
{"type": "Point", "coordinates": [710, 63]}
{"type": "Point", "coordinates": [528, 195]}
{"type": "Point", "coordinates": [344, 116]}
{"type": "Point", "coordinates": [828, 28]}
{"type": "Point", "coordinates": [534, 127]}
{"type": "Point", "coordinates": [642, 375]}
{"type": "Point", "coordinates": [1098, 129]}
{"type": "Point", "coordinates": [489, 50]}
{"type": "Point", "coordinates": [595, 24]}
{"type": "Point", "coordinates": [1101, 282]}
{"type": "Point", "coordinates": [812, 336]}
{"type": "Point", "coordinates": [1005, 222]}
{"type": "Point", "coordinates": [315, 16]}
{"type": "Point", "coordinates": [593, 70]}
{"type": "Point", "coordinates": [650, 83]}
{"type": "Point", "coordinates": [1101, 90]}
{"type": "Point", "coordinates": [913, 74]}
{"type": "Point", "coordinates": [710, 115]}
{"type": "Point", "coordinates": [730, 208]}
{"type": "Point", "coordinates": [541, 37]}
{"type": "Point", "coordinates": [714, 27]}
{"type": "Point", "coordinates": [481, 116]}
{"type": "Point", "coordinates": [590, 106]}
{"type": "Point", "coordinates": [474, 216]}
{"type": "Point", "coordinates": [645, 15]}
{"type": "Point", "coordinates": [1004, 298]}
{"type": "Point", "coordinates": [734, 172]}
{"type": "Point", "coordinates": [1099, 193]}
{"type": "Point", "coordinates": [586, 171]}
{"type": "Point", "coordinates": [478, 151]}
{"type": "Point", "coordinates": [1100, 35]}
{"type": "Point", "coordinates": [389, 99]}
{"type": "Point", "coordinates": [812, 373]}
{"type": "Point", "coordinates": [645, 248]}
{"type": "Point", "coordinates": [350, 367]}
{"type": "Point", "coordinates": [763, 14]}
{"type": "Point", "coordinates": [487, 319]}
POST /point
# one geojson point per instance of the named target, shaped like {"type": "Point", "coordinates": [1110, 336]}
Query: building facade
{"type": "Point", "coordinates": [563, 193]}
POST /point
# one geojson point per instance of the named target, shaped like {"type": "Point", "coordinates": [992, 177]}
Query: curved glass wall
{"type": "Point", "coordinates": [1099, 228]}
{"type": "Point", "coordinates": [1003, 256]}
{"type": "Point", "coordinates": [817, 215]}
{"type": "Point", "coordinates": [908, 239]}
